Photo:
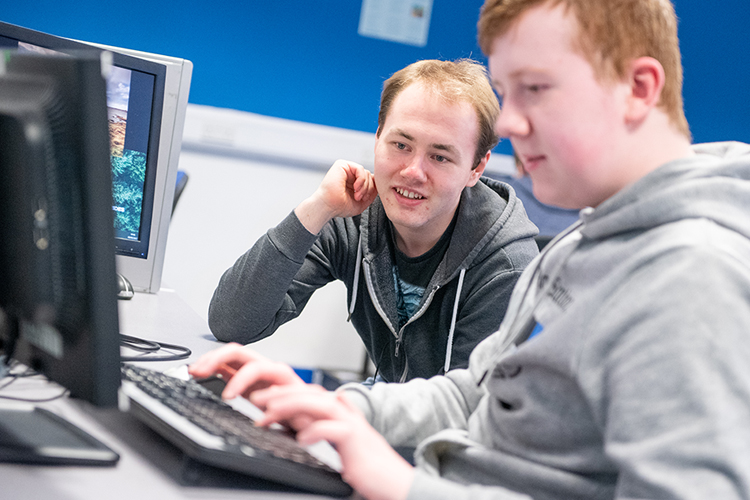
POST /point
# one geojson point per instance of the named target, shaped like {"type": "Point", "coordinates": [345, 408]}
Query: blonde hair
{"type": "Point", "coordinates": [612, 33]}
{"type": "Point", "coordinates": [464, 80]}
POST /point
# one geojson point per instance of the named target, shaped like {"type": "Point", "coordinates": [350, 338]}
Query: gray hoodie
{"type": "Point", "coordinates": [635, 381]}
{"type": "Point", "coordinates": [463, 303]}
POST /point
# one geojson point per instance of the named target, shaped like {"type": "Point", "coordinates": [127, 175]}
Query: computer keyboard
{"type": "Point", "coordinates": [209, 430]}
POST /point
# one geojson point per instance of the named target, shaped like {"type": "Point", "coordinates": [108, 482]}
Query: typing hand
{"type": "Point", "coordinates": [369, 464]}
{"type": "Point", "coordinates": [347, 190]}
{"type": "Point", "coordinates": [244, 370]}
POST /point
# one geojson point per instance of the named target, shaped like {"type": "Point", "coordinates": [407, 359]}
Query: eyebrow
{"type": "Point", "coordinates": [441, 147]}
{"type": "Point", "coordinates": [521, 72]}
{"type": "Point", "coordinates": [403, 134]}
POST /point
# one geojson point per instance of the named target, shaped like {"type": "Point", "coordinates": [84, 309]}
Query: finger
{"type": "Point", "coordinates": [289, 390]}
{"type": "Point", "coordinates": [333, 431]}
{"type": "Point", "coordinates": [231, 354]}
{"type": "Point", "coordinates": [299, 421]}
{"type": "Point", "coordinates": [371, 190]}
{"type": "Point", "coordinates": [313, 405]}
{"type": "Point", "coordinates": [349, 168]}
{"type": "Point", "coordinates": [257, 375]}
{"type": "Point", "coordinates": [363, 185]}
{"type": "Point", "coordinates": [359, 183]}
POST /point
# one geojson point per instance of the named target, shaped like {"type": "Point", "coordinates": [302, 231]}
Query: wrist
{"type": "Point", "coordinates": [313, 214]}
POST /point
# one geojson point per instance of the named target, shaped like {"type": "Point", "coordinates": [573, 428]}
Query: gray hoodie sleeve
{"type": "Point", "coordinates": [406, 414]}
{"type": "Point", "coordinates": [242, 310]}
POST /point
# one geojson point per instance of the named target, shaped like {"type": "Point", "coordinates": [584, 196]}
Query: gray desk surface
{"type": "Point", "coordinates": [149, 468]}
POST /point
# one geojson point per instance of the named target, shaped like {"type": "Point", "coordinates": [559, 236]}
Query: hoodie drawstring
{"type": "Point", "coordinates": [357, 266]}
{"type": "Point", "coordinates": [355, 286]}
{"type": "Point", "coordinates": [449, 348]}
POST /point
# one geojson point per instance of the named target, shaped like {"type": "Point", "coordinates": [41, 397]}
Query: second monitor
{"type": "Point", "coordinates": [147, 98]}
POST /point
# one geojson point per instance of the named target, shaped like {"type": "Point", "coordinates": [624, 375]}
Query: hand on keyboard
{"type": "Point", "coordinates": [209, 429]}
{"type": "Point", "coordinates": [369, 463]}
{"type": "Point", "coordinates": [244, 370]}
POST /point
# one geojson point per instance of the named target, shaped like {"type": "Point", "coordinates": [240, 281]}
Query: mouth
{"type": "Point", "coordinates": [531, 162]}
{"type": "Point", "coordinates": [408, 194]}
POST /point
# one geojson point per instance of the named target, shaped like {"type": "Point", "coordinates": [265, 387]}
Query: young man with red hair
{"type": "Point", "coordinates": [621, 368]}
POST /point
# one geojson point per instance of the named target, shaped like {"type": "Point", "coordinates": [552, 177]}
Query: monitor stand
{"type": "Point", "coordinates": [33, 435]}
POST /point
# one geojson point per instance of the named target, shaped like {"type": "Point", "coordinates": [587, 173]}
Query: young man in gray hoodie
{"type": "Point", "coordinates": [621, 368]}
{"type": "Point", "coordinates": [428, 251]}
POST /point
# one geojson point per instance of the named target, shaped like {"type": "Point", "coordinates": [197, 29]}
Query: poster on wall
{"type": "Point", "coordinates": [403, 21]}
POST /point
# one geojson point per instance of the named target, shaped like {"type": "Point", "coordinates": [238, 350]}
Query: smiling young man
{"type": "Point", "coordinates": [429, 252]}
{"type": "Point", "coordinates": [621, 367]}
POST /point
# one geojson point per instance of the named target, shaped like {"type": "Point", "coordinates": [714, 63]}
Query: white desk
{"type": "Point", "coordinates": [167, 318]}
{"type": "Point", "coordinates": [149, 468]}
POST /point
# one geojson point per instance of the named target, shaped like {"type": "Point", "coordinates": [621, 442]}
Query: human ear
{"type": "Point", "coordinates": [478, 171]}
{"type": "Point", "coordinates": [377, 139]}
{"type": "Point", "coordinates": [646, 80]}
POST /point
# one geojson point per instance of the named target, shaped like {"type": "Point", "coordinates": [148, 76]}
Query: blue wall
{"type": "Point", "coordinates": [305, 61]}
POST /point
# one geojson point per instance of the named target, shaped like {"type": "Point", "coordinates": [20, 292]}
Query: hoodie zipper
{"type": "Point", "coordinates": [416, 316]}
{"type": "Point", "coordinates": [398, 335]}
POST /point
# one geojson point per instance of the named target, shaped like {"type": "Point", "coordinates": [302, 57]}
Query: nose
{"type": "Point", "coordinates": [511, 123]}
{"type": "Point", "coordinates": [414, 168]}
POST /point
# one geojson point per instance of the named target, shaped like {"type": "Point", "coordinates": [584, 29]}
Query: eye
{"type": "Point", "coordinates": [441, 159]}
{"type": "Point", "coordinates": [499, 98]}
{"type": "Point", "coordinates": [400, 145]}
{"type": "Point", "coordinates": [535, 87]}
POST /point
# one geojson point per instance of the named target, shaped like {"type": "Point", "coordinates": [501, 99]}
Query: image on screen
{"type": "Point", "coordinates": [128, 149]}
{"type": "Point", "coordinates": [129, 95]}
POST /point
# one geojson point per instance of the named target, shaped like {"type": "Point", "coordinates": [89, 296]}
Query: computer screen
{"type": "Point", "coordinates": [146, 100]}
{"type": "Point", "coordinates": [58, 306]}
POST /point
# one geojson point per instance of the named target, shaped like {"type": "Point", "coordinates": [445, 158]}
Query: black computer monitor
{"type": "Point", "coordinates": [147, 99]}
{"type": "Point", "coordinates": [58, 306]}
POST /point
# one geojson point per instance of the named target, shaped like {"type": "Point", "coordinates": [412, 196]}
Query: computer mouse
{"type": "Point", "coordinates": [124, 288]}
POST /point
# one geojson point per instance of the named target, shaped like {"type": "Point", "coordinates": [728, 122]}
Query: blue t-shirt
{"type": "Point", "coordinates": [411, 275]}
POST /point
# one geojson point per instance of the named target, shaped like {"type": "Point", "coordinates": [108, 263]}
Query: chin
{"type": "Point", "coordinates": [555, 199]}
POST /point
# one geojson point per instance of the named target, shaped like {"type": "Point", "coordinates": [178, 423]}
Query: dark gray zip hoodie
{"type": "Point", "coordinates": [463, 303]}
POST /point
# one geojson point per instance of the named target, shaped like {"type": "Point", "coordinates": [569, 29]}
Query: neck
{"type": "Point", "coordinates": [660, 148]}
{"type": "Point", "coordinates": [414, 243]}
{"type": "Point", "coordinates": [416, 240]}
{"type": "Point", "coordinates": [648, 148]}
{"type": "Point", "coordinates": [414, 247]}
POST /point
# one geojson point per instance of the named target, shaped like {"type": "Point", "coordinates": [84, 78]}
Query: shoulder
{"type": "Point", "coordinates": [341, 233]}
{"type": "Point", "coordinates": [496, 190]}
{"type": "Point", "coordinates": [493, 221]}
{"type": "Point", "coordinates": [673, 280]}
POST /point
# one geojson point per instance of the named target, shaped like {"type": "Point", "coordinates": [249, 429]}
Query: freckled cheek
{"type": "Point", "coordinates": [386, 167]}
{"type": "Point", "coordinates": [382, 174]}
{"type": "Point", "coordinates": [447, 194]}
